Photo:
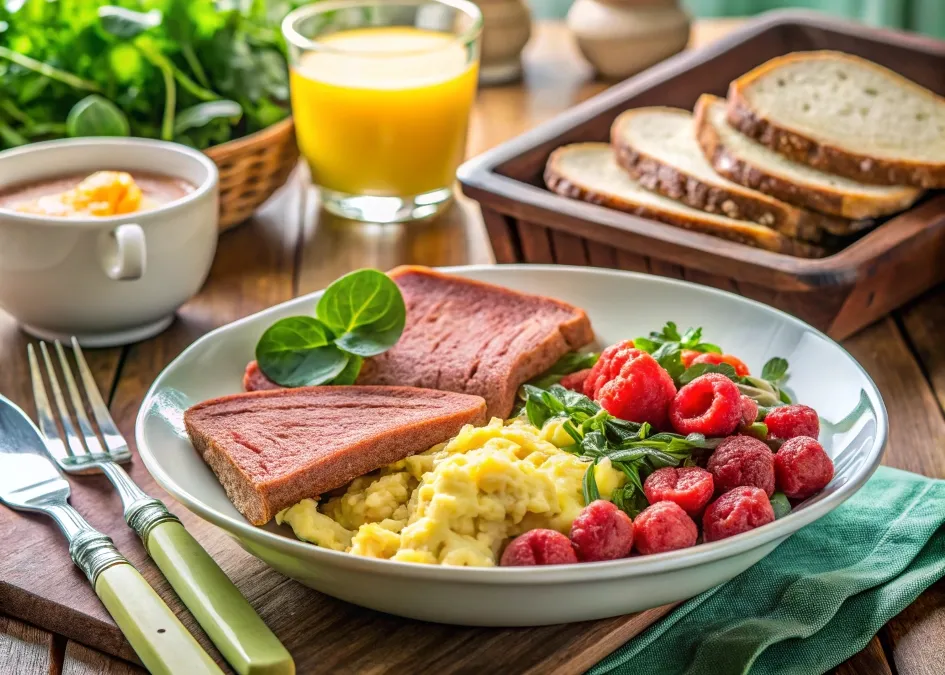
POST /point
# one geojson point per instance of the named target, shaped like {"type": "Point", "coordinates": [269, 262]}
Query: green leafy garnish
{"type": "Point", "coordinates": [667, 345]}
{"type": "Point", "coordinates": [365, 310]}
{"type": "Point", "coordinates": [698, 369]}
{"type": "Point", "coordinates": [635, 449]}
{"type": "Point", "coordinates": [774, 370]}
{"type": "Point", "coordinates": [591, 493]}
{"type": "Point", "coordinates": [571, 362]}
{"type": "Point", "coordinates": [299, 351]}
{"type": "Point", "coordinates": [361, 314]}
{"type": "Point", "coordinates": [758, 430]}
{"type": "Point", "coordinates": [780, 504]}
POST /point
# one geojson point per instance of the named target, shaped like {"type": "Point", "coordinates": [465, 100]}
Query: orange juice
{"type": "Point", "coordinates": [383, 111]}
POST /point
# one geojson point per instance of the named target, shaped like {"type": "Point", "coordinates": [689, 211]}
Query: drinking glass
{"type": "Point", "coordinates": [381, 95]}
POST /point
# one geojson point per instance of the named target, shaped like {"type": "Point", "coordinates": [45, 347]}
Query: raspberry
{"type": "Point", "coordinates": [539, 547]}
{"type": "Point", "coordinates": [687, 355]}
{"type": "Point", "coordinates": [662, 527]}
{"type": "Point", "coordinates": [749, 410]}
{"type": "Point", "coordinates": [690, 487]}
{"type": "Point", "coordinates": [802, 468]}
{"type": "Point", "coordinates": [601, 532]}
{"type": "Point", "coordinates": [740, 461]}
{"type": "Point", "coordinates": [790, 421]}
{"type": "Point", "coordinates": [575, 381]}
{"type": "Point", "coordinates": [737, 511]}
{"type": "Point", "coordinates": [709, 405]}
{"type": "Point", "coordinates": [608, 366]}
{"type": "Point", "coordinates": [630, 384]}
{"type": "Point", "coordinates": [715, 359]}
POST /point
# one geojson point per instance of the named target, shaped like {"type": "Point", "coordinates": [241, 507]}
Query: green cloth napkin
{"type": "Point", "coordinates": [816, 600]}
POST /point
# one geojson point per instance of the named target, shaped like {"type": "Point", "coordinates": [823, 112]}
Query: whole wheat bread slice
{"type": "Point", "coordinates": [589, 171]}
{"type": "Point", "coordinates": [845, 115]}
{"type": "Point", "coordinates": [745, 161]}
{"type": "Point", "coordinates": [271, 449]}
{"type": "Point", "coordinates": [658, 147]}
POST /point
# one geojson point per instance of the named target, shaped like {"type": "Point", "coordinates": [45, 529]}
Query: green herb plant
{"type": "Point", "coordinates": [199, 72]}
{"type": "Point", "coordinates": [362, 314]}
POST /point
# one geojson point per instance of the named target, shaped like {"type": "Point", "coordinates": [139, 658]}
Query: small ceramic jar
{"type": "Point", "coordinates": [622, 37]}
{"type": "Point", "coordinates": [506, 27]}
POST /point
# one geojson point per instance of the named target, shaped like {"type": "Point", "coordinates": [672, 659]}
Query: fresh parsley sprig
{"type": "Point", "coordinates": [362, 314]}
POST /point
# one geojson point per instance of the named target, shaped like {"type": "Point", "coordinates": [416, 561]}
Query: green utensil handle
{"type": "Point", "coordinates": [159, 639]}
{"type": "Point", "coordinates": [217, 604]}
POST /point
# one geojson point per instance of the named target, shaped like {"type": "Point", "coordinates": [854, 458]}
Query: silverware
{"type": "Point", "coordinates": [30, 482]}
{"type": "Point", "coordinates": [217, 604]}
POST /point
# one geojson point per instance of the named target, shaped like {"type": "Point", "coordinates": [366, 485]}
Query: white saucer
{"type": "Point", "coordinates": [107, 339]}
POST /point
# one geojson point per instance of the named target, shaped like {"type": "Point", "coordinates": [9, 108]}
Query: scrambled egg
{"type": "Point", "coordinates": [459, 502]}
{"type": "Point", "coordinates": [104, 193]}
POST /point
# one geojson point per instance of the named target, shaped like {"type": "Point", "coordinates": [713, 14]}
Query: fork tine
{"type": "Point", "coordinates": [106, 425]}
{"type": "Point", "coordinates": [75, 444]}
{"type": "Point", "coordinates": [78, 405]}
{"type": "Point", "coordinates": [47, 422]}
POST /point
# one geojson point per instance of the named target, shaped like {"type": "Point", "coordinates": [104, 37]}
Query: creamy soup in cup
{"type": "Point", "coordinates": [104, 238]}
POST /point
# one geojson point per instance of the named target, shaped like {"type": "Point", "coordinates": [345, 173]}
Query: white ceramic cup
{"type": "Point", "coordinates": [110, 280]}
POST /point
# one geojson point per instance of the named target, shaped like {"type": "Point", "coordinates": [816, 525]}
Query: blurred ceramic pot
{"type": "Point", "coordinates": [622, 37]}
{"type": "Point", "coordinates": [506, 27]}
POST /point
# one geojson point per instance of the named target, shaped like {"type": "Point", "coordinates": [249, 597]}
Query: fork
{"type": "Point", "coordinates": [217, 604]}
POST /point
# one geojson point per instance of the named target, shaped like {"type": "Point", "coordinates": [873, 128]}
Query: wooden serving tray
{"type": "Point", "coordinates": [839, 294]}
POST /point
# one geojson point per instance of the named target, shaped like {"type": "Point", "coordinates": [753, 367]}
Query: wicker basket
{"type": "Point", "coordinates": [252, 168]}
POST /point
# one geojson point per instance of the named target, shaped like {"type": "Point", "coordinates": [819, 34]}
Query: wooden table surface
{"type": "Point", "coordinates": [291, 249]}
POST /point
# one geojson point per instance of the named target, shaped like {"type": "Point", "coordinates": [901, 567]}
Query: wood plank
{"type": "Point", "coordinates": [871, 660]}
{"type": "Point", "coordinates": [25, 649]}
{"type": "Point", "coordinates": [917, 429]}
{"type": "Point", "coordinates": [80, 660]}
{"type": "Point", "coordinates": [536, 242]}
{"type": "Point", "coordinates": [917, 635]}
{"type": "Point", "coordinates": [917, 434]}
{"type": "Point", "coordinates": [569, 249]}
{"type": "Point", "coordinates": [923, 321]}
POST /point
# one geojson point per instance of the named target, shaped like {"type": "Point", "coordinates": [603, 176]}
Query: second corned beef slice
{"type": "Point", "coordinates": [475, 338]}
{"type": "Point", "coordinates": [271, 449]}
{"type": "Point", "coordinates": [469, 337]}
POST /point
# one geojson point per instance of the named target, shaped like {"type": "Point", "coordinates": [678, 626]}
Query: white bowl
{"type": "Point", "coordinates": [109, 280]}
{"type": "Point", "coordinates": [621, 305]}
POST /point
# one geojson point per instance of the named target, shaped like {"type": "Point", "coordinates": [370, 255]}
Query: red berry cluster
{"type": "Point", "coordinates": [600, 532]}
{"type": "Point", "coordinates": [728, 496]}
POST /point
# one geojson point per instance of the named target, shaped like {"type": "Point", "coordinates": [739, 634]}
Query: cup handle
{"type": "Point", "coordinates": [126, 260]}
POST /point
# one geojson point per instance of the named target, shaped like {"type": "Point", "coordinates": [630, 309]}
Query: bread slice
{"type": "Point", "coordinates": [271, 449]}
{"type": "Point", "coordinates": [475, 338]}
{"type": "Point", "coordinates": [845, 115]}
{"type": "Point", "coordinates": [589, 171]}
{"type": "Point", "coordinates": [658, 147]}
{"type": "Point", "coordinates": [754, 165]}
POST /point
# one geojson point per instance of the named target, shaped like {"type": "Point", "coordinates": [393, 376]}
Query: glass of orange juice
{"type": "Point", "coordinates": [381, 95]}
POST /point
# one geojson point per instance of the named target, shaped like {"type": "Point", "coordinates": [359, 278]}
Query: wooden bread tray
{"type": "Point", "coordinates": [839, 294]}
